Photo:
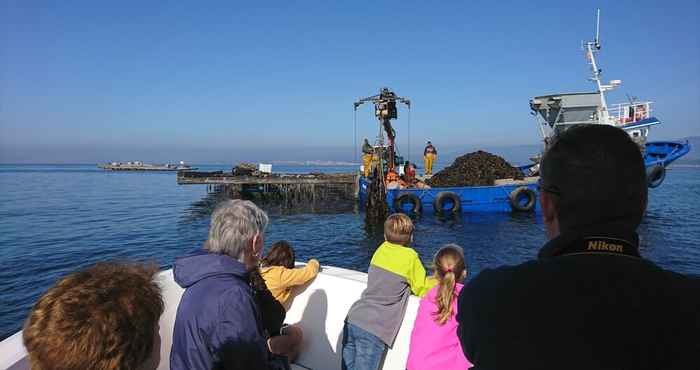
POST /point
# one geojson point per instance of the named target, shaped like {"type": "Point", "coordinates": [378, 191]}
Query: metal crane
{"type": "Point", "coordinates": [385, 110]}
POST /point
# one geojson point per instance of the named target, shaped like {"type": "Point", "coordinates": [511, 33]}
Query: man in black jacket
{"type": "Point", "coordinates": [589, 301]}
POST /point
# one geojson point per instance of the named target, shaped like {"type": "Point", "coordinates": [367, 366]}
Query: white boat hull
{"type": "Point", "coordinates": [319, 308]}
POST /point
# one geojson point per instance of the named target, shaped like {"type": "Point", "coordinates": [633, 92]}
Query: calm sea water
{"type": "Point", "coordinates": [55, 219]}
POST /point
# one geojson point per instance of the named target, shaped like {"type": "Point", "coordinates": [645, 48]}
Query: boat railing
{"type": "Point", "coordinates": [627, 113]}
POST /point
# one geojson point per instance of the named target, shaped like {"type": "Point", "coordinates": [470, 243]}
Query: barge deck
{"type": "Point", "coordinates": [288, 188]}
{"type": "Point", "coordinates": [221, 178]}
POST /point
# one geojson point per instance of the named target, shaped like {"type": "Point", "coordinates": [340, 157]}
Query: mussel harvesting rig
{"type": "Point", "coordinates": [386, 160]}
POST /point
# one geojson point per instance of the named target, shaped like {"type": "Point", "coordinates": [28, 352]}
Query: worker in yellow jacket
{"type": "Point", "coordinates": [280, 275]}
{"type": "Point", "coordinates": [367, 152]}
{"type": "Point", "coordinates": [429, 157]}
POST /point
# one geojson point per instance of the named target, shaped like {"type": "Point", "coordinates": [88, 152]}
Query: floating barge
{"type": "Point", "coordinates": [289, 188]}
{"type": "Point", "coordinates": [140, 166]}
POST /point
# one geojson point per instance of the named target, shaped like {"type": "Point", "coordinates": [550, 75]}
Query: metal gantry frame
{"type": "Point", "coordinates": [385, 110]}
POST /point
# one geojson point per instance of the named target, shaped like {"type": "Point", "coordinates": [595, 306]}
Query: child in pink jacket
{"type": "Point", "coordinates": [434, 342]}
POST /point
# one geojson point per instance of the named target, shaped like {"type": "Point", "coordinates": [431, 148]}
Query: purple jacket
{"type": "Point", "coordinates": [218, 325]}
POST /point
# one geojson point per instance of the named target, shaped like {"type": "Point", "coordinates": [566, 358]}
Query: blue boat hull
{"type": "Point", "coordinates": [472, 198]}
{"type": "Point", "coordinates": [497, 198]}
{"type": "Point", "coordinates": [664, 152]}
{"type": "Point", "coordinates": [658, 155]}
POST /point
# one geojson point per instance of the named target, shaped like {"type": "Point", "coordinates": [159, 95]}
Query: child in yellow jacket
{"type": "Point", "coordinates": [281, 276]}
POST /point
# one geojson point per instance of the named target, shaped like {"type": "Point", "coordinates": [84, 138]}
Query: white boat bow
{"type": "Point", "coordinates": [319, 308]}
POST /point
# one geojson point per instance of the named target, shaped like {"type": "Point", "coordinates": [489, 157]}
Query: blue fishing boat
{"type": "Point", "coordinates": [557, 112]}
{"type": "Point", "coordinates": [554, 114]}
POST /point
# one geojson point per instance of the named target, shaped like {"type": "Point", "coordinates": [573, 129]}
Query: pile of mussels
{"type": "Point", "coordinates": [475, 169]}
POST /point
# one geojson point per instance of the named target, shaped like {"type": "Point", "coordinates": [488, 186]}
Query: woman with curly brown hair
{"type": "Point", "coordinates": [103, 317]}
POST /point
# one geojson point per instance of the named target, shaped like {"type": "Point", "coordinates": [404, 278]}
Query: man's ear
{"type": "Point", "coordinates": [253, 241]}
{"type": "Point", "coordinates": [547, 204]}
{"type": "Point", "coordinates": [550, 215]}
{"type": "Point", "coordinates": [254, 244]}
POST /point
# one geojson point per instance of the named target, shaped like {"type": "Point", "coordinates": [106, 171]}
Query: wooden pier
{"type": "Point", "coordinates": [289, 189]}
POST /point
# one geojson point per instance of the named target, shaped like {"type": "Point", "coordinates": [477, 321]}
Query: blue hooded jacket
{"type": "Point", "coordinates": [218, 325]}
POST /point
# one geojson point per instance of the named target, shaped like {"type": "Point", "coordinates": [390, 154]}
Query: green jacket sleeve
{"type": "Point", "coordinates": [420, 284]}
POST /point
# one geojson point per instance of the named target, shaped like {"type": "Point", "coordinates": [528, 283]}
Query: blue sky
{"type": "Point", "coordinates": [226, 81]}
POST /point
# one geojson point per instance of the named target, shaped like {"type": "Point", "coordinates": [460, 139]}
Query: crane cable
{"type": "Point", "coordinates": [409, 134]}
{"type": "Point", "coordinates": [354, 135]}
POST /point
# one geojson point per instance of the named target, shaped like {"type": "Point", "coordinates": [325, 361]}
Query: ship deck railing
{"type": "Point", "coordinates": [626, 113]}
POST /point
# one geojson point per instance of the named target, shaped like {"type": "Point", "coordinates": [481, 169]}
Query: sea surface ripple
{"type": "Point", "coordinates": [55, 219]}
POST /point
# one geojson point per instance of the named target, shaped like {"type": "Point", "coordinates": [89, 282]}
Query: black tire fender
{"type": "Point", "coordinates": [656, 176]}
{"type": "Point", "coordinates": [408, 197]}
{"type": "Point", "coordinates": [443, 196]}
{"type": "Point", "coordinates": [516, 195]}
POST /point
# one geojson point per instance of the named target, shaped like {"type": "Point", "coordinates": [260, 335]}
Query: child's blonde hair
{"type": "Point", "coordinates": [449, 267]}
{"type": "Point", "coordinates": [398, 229]}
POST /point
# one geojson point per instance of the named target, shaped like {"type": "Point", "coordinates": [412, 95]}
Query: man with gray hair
{"type": "Point", "coordinates": [218, 323]}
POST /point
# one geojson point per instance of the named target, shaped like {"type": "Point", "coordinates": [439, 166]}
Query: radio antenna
{"type": "Point", "coordinates": [597, 30]}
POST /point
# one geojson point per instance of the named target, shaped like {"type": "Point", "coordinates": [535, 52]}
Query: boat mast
{"type": "Point", "coordinates": [592, 48]}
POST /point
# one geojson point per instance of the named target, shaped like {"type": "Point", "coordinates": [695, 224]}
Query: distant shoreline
{"type": "Point", "coordinates": [315, 163]}
{"type": "Point", "coordinates": [280, 163]}
{"type": "Point", "coordinates": [306, 164]}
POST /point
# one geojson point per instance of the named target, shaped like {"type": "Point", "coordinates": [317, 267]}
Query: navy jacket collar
{"type": "Point", "coordinates": [201, 264]}
{"type": "Point", "coordinates": [607, 239]}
